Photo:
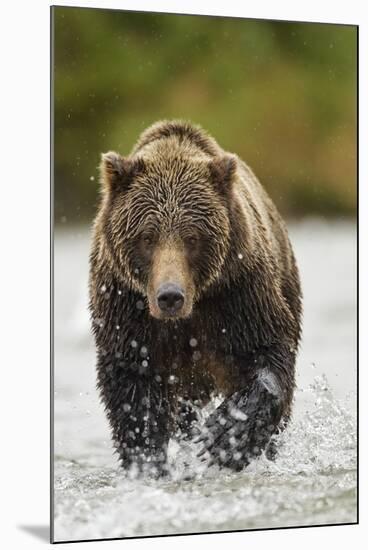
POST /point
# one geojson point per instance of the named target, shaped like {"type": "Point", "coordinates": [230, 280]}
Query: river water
{"type": "Point", "coordinates": [313, 480]}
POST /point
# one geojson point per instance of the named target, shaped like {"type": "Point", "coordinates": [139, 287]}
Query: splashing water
{"type": "Point", "coordinates": [312, 482]}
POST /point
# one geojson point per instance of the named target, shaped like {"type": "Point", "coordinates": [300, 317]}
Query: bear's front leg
{"type": "Point", "coordinates": [138, 411]}
{"type": "Point", "coordinates": [242, 426]}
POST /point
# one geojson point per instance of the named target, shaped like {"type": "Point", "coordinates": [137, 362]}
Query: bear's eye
{"type": "Point", "coordinates": [147, 239]}
{"type": "Point", "coordinates": [191, 240]}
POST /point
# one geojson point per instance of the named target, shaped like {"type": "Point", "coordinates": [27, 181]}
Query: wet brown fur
{"type": "Point", "coordinates": [242, 284]}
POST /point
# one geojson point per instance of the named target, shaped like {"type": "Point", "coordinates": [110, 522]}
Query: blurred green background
{"type": "Point", "coordinates": [280, 95]}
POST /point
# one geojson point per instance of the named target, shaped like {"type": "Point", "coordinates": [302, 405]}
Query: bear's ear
{"type": "Point", "coordinates": [222, 170]}
{"type": "Point", "coordinates": [118, 172]}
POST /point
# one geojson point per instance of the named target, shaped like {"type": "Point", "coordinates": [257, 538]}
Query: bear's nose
{"type": "Point", "coordinates": [170, 298]}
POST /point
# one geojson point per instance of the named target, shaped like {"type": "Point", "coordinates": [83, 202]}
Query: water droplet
{"type": "Point", "coordinates": [144, 351]}
{"type": "Point", "coordinates": [172, 379]}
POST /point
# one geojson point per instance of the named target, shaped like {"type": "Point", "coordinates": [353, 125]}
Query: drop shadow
{"type": "Point", "coordinates": [42, 532]}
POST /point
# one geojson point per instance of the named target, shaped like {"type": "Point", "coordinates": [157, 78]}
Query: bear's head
{"type": "Point", "coordinates": [166, 225]}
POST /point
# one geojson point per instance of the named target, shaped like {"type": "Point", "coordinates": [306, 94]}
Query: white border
{"type": "Point", "coordinates": [24, 268]}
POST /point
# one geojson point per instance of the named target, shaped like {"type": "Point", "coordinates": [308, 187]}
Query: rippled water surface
{"type": "Point", "coordinates": [313, 480]}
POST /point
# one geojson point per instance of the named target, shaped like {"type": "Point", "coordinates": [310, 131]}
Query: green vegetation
{"type": "Point", "coordinates": [280, 95]}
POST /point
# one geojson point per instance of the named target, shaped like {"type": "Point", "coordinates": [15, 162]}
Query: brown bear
{"type": "Point", "coordinates": [194, 292]}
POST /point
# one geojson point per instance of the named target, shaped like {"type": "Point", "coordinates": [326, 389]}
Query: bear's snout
{"type": "Point", "coordinates": [170, 298]}
{"type": "Point", "coordinates": [170, 288]}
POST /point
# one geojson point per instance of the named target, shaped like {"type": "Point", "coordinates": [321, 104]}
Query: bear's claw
{"type": "Point", "coordinates": [233, 435]}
